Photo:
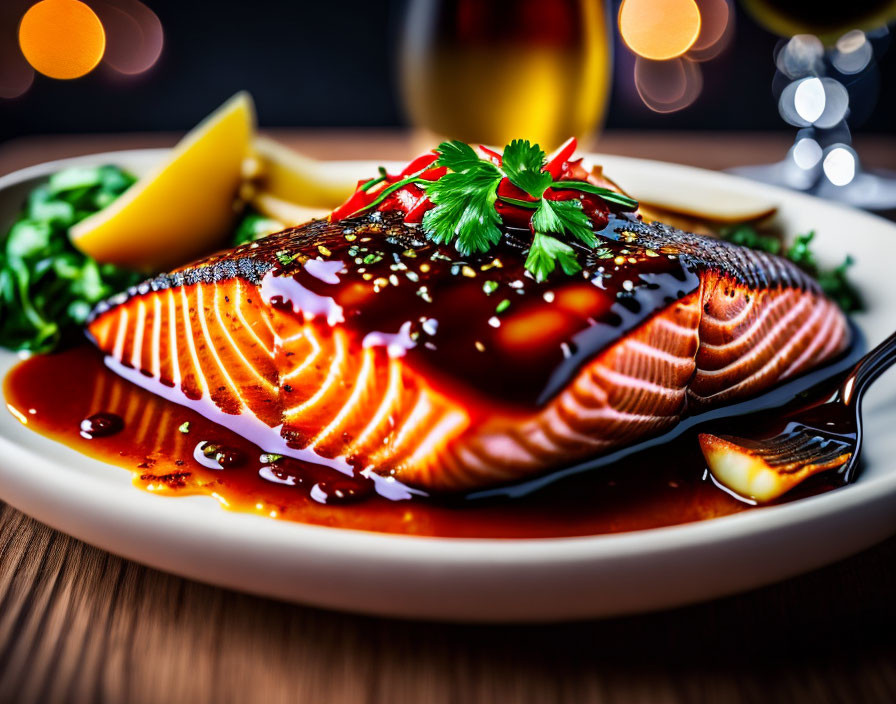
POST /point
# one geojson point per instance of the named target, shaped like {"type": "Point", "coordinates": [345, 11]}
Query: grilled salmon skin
{"type": "Point", "coordinates": [359, 345]}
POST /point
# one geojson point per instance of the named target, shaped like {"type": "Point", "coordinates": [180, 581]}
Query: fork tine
{"type": "Point", "coordinates": [763, 470]}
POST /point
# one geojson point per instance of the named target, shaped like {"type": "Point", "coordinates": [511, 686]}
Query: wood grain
{"type": "Point", "coordinates": [77, 624]}
{"type": "Point", "coordinates": [80, 625]}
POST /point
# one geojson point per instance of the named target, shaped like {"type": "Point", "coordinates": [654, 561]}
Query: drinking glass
{"type": "Point", "coordinates": [489, 71]}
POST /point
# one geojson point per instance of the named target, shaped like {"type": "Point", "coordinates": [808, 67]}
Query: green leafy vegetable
{"type": "Point", "coordinates": [836, 284]}
{"type": "Point", "coordinates": [746, 235]}
{"type": "Point", "coordinates": [47, 287]}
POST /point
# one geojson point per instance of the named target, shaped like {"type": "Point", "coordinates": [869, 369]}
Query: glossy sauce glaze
{"type": "Point", "coordinates": [73, 398]}
{"type": "Point", "coordinates": [476, 326]}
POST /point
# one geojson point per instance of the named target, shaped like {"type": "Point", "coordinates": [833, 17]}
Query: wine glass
{"type": "Point", "coordinates": [489, 71]}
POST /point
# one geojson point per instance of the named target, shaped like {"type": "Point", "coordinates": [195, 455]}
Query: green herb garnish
{"type": "Point", "coordinates": [465, 198]}
{"type": "Point", "coordinates": [546, 252]}
{"type": "Point", "coordinates": [834, 282]}
{"type": "Point", "coordinates": [47, 286]}
{"type": "Point", "coordinates": [465, 201]}
{"type": "Point", "coordinates": [746, 235]}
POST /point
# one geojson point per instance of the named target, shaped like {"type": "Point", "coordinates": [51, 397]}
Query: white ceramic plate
{"type": "Point", "coordinates": [487, 580]}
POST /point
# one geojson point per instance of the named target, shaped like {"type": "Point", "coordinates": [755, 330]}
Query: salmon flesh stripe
{"type": "Point", "coordinates": [297, 343]}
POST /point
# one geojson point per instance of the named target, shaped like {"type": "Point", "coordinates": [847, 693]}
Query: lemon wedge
{"type": "Point", "coordinates": [298, 179]}
{"type": "Point", "coordinates": [182, 208]}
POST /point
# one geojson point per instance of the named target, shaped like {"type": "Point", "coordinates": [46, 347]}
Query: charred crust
{"type": "Point", "coordinates": [748, 267]}
{"type": "Point", "coordinates": [287, 251]}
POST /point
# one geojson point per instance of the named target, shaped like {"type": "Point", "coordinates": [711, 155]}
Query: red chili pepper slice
{"type": "Point", "coordinates": [434, 174]}
{"type": "Point", "coordinates": [415, 214]}
{"type": "Point", "coordinates": [355, 202]}
{"type": "Point", "coordinates": [419, 164]}
{"type": "Point", "coordinates": [492, 155]}
{"type": "Point", "coordinates": [555, 165]}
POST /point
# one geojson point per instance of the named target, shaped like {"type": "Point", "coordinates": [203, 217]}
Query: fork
{"type": "Point", "coordinates": [822, 437]}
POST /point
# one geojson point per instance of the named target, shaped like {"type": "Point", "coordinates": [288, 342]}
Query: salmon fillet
{"type": "Point", "coordinates": [361, 346]}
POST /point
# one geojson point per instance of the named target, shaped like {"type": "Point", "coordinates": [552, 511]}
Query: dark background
{"type": "Point", "coordinates": [331, 63]}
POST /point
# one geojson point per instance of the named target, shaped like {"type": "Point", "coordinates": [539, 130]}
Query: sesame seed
{"type": "Point", "coordinates": [632, 260]}
{"type": "Point", "coordinates": [367, 277]}
{"type": "Point", "coordinates": [424, 267]}
{"type": "Point", "coordinates": [412, 276]}
{"type": "Point", "coordinates": [549, 296]}
{"type": "Point", "coordinates": [628, 285]}
{"type": "Point", "coordinates": [619, 260]}
{"type": "Point", "coordinates": [324, 251]}
{"type": "Point", "coordinates": [494, 322]}
{"type": "Point", "coordinates": [651, 253]}
{"type": "Point", "coordinates": [468, 271]}
{"type": "Point", "coordinates": [479, 346]}
{"type": "Point", "coordinates": [351, 238]}
{"type": "Point", "coordinates": [393, 279]}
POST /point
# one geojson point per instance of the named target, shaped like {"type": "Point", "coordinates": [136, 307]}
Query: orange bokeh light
{"type": "Point", "coordinates": [659, 29]}
{"type": "Point", "coordinates": [62, 38]}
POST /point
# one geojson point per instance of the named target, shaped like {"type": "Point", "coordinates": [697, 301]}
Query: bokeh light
{"type": "Point", "coordinates": [134, 36]}
{"type": "Point", "coordinates": [62, 38]}
{"type": "Point", "coordinates": [667, 86]}
{"type": "Point", "coordinates": [801, 56]}
{"type": "Point", "coordinates": [836, 104]}
{"type": "Point", "coordinates": [659, 29]}
{"type": "Point", "coordinates": [716, 29]}
{"type": "Point", "coordinates": [16, 75]}
{"type": "Point", "coordinates": [840, 165]}
{"type": "Point", "coordinates": [806, 153]}
{"type": "Point", "coordinates": [669, 39]}
{"type": "Point", "coordinates": [809, 99]}
{"type": "Point", "coordinates": [853, 53]}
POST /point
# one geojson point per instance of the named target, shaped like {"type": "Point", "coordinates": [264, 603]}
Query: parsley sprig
{"type": "Point", "coordinates": [465, 199]}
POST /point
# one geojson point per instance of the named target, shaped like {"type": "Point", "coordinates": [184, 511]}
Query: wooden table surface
{"type": "Point", "coordinates": [79, 624]}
